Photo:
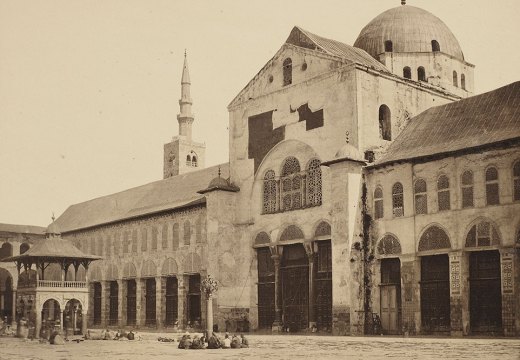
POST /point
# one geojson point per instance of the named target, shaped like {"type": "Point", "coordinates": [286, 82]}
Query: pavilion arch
{"type": "Point", "coordinates": [112, 272]}
{"type": "Point", "coordinates": [479, 227]}
{"type": "Point", "coordinates": [44, 299]}
{"type": "Point", "coordinates": [389, 245]}
{"type": "Point", "coordinates": [149, 269]}
{"type": "Point", "coordinates": [434, 237]}
{"type": "Point", "coordinates": [95, 273]}
{"type": "Point", "coordinates": [169, 267]}
{"type": "Point", "coordinates": [192, 263]}
{"type": "Point", "coordinates": [291, 233]}
{"type": "Point", "coordinates": [262, 239]}
{"type": "Point", "coordinates": [322, 229]}
{"type": "Point", "coordinates": [129, 271]}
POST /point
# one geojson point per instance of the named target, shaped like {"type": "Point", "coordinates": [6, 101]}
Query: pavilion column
{"type": "Point", "coordinates": [276, 252]}
{"type": "Point", "coordinates": [62, 322]}
{"type": "Point", "coordinates": [13, 307]}
{"type": "Point", "coordinates": [309, 249]}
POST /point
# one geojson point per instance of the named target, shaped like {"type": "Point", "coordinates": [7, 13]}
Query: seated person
{"type": "Point", "coordinates": [245, 342]}
{"type": "Point", "coordinates": [214, 342]}
{"type": "Point", "coordinates": [235, 342]}
{"type": "Point", "coordinates": [226, 344]}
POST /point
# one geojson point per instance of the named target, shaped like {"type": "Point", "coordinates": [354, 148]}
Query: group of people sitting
{"type": "Point", "coordinates": [213, 342]}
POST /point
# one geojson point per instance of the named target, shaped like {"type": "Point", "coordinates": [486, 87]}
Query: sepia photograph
{"type": "Point", "coordinates": [259, 179]}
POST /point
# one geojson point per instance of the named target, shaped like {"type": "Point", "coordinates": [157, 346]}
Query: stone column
{"type": "Point", "coordinates": [456, 293]}
{"type": "Point", "coordinates": [410, 295]}
{"type": "Point", "coordinates": [84, 327]}
{"type": "Point", "coordinates": [507, 256]}
{"type": "Point", "coordinates": [309, 248]}
{"type": "Point", "coordinates": [13, 308]}
{"type": "Point", "coordinates": [120, 297]}
{"type": "Point", "coordinates": [209, 314]}
{"type": "Point", "coordinates": [275, 255]}
{"type": "Point", "coordinates": [62, 323]}
{"type": "Point", "coordinates": [38, 322]}
{"type": "Point", "coordinates": [139, 293]}
{"type": "Point", "coordinates": [160, 286]}
{"type": "Point", "coordinates": [181, 300]}
{"type": "Point", "coordinates": [105, 304]}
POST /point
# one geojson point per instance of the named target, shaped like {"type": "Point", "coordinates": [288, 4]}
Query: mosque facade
{"type": "Point", "coordinates": [345, 205]}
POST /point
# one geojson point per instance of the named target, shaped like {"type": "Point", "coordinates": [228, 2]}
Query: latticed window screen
{"type": "Point", "coordinates": [482, 234]}
{"type": "Point", "coordinates": [175, 236]}
{"type": "Point", "coordinates": [421, 197]}
{"type": "Point", "coordinates": [314, 183]}
{"type": "Point", "coordinates": [389, 245]}
{"type": "Point", "coordinates": [516, 181]}
{"type": "Point", "coordinates": [291, 184]}
{"type": "Point", "coordinates": [117, 244]}
{"type": "Point", "coordinates": [269, 192]}
{"type": "Point", "coordinates": [125, 242]}
{"type": "Point", "coordinates": [434, 238]}
{"type": "Point", "coordinates": [164, 236]}
{"type": "Point", "coordinates": [467, 189]}
{"type": "Point", "coordinates": [154, 238]}
{"type": "Point", "coordinates": [492, 186]}
{"type": "Point", "coordinates": [144, 239]}
{"type": "Point", "coordinates": [397, 200]}
{"type": "Point", "coordinates": [443, 193]}
{"type": "Point", "coordinates": [134, 241]}
{"type": "Point", "coordinates": [378, 203]}
{"type": "Point", "coordinates": [187, 233]}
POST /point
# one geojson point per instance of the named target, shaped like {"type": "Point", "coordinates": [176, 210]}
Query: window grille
{"type": "Point", "coordinates": [287, 72]}
{"type": "Point", "coordinates": [164, 236]}
{"type": "Point", "coordinates": [378, 203]}
{"type": "Point", "coordinates": [482, 234]}
{"type": "Point", "coordinates": [269, 192]}
{"type": "Point", "coordinates": [516, 181]}
{"type": "Point", "coordinates": [314, 195]}
{"type": "Point", "coordinates": [134, 241]}
{"type": "Point", "coordinates": [291, 184]}
{"type": "Point", "coordinates": [175, 236]}
{"type": "Point", "coordinates": [434, 238]}
{"type": "Point", "coordinates": [125, 242]}
{"type": "Point", "coordinates": [198, 230]}
{"type": "Point", "coordinates": [492, 196]}
{"type": "Point", "coordinates": [443, 193]}
{"type": "Point", "coordinates": [467, 189]}
{"type": "Point", "coordinates": [323, 229]}
{"type": "Point", "coordinates": [421, 197]}
{"type": "Point", "coordinates": [187, 233]}
{"type": "Point", "coordinates": [154, 238]}
{"type": "Point", "coordinates": [117, 244]}
{"type": "Point", "coordinates": [397, 200]}
{"type": "Point", "coordinates": [389, 245]}
{"type": "Point", "coordinates": [144, 239]}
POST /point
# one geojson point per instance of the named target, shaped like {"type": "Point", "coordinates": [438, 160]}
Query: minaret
{"type": "Point", "coordinates": [185, 118]}
{"type": "Point", "coordinates": [182, 154]}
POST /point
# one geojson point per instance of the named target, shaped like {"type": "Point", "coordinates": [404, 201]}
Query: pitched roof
{"type": "Point", "coordinates": [167, 194]}
{"type": "Point", "coordinates": [22, 229]}
{"type": "Point", "coordinates": [484, 119]}
{"type": "Point", "coordinates": [306, 39]}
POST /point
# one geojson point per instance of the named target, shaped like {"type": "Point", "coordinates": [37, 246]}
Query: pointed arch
{"type": "Point", "coordinates": [112, 273]}
{"type": "Point", "coordinates": [192, 263]}
{"type": "Point", "coordinates": [389, 245]}
{"type": "Point", "coordinates": [482, 232]}
{"type": "Point", "coordinates": [95, 273]}
{"type": "Point", "coordinates": [323, 229]}
{"type": "Point", "coordinates": [169, 267]}
{"type": "Point", "coordinates": [434, 237]}
{"type": "Point", "coordinates": [262, 238]}
{"type": "Point", "coordinates": [129, 271]}
{"type": "Point", "coordinates": [149, 269]}
{"type": "Point", "coordinates": [292, 232]}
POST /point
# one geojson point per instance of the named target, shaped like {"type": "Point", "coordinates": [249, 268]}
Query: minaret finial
{"type": "Point", "coordinates": [53, 217]}
{"type": "Point", "coordinates": [185, 53]}
{"type": "Point", "coordinates": [219, 171]}
{"type": "Point", "coordinates": [403, 2]}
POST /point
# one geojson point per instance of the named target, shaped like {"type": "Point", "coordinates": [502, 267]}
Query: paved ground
{"type": "Point", "coordinates": [271, 347]}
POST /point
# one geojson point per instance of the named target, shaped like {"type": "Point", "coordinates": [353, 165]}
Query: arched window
{"type": "Point", "coordinates": [134, 241]}
{"type": "Point", "coordinates": [463, 81]}
{"type": "Point", "coordinates": [287, 72]}
{"type": "Point", "coordinates": [492, 197]}
{"type": "Point", "coordinates": [516, 181]}
{"type": "Point", "coordinates": [117, 244]}
{"type": "Point", "coordinates": [108, 245]}
{"type": "Point", "coordinates": [407, 72]}
{"type": "Point", "coordinates": [389, 245]}
{"type": "Point", "coordinates": [397, 200]}
{"type": "Point", "coordinates": [198, 230]}
{"type": "Point", "coordinates": [194, 161]}
{"type": "Point", "coordinates": [125, 242]}
{"type": "Point", "coordinates": [455, 79]}
{"type": "Point", "coordinates": [154, 238]}
{"type": "Point", "coordinates": [421, 197]}
{"type": "Point", "coordinates": [385, 123]}
{"type": "Point", "coordinates": [443, 193]}
{"type": "Point", "coordinates": [314, 183]}
{"type": "Point", "coordinates": [187, 233]}
{"type": "Point", "coordinates": [378, 203]}
{"type": "Point", "coordinates": [175, 236]}
{"type": "Point", "coordinates": [435, 46]}
{"type": "Point", "coordinates": [482, 234]}
{"type": "Point", "coordinates": [291, 184]}
{"type": "Point", "coordinates": [467, 189]}
{"type": "Point", "coordinates": [188, 160]}
{"type": "Point", "coordinates": [434, 238]}
{"type": "Point", "coordinates": [23, 248]}
{"type": "Point", "coordinates": [144, 239]}
{"type": "Point", "coordinates": [389, 47]}
{"type": "Point", "coordinates": [421, 74]}
{"type": "Point", "coordinates": [269, 192]}
{"type": "Point", "coordinates": [164, 236]}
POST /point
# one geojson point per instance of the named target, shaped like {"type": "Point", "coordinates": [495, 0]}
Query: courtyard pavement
{"type": "Point", "coordinates": [270, 347]}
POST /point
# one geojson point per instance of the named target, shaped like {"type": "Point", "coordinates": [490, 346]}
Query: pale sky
{"type": "Point", "coordinates": [89, 89]}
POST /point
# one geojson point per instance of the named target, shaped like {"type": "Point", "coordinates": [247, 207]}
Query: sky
{"type": "Point", "coordinates": [89, 89]}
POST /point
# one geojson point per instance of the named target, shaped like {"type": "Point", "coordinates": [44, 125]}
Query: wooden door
{"type": "Point", "coordinates": [131, 303]}
{"type": "Point", "coordinates": [171, 301]}
{"type": "Point", "coordinates": [150, 300]}
{"type": "Point", "coordinates": [114, 303]}
{"type": "Point", "coordinates": [389, 309]}
{"type": "Point", "coordinates": [435, 293]}
{"type": "Point", "coordinates": [265, 288]}
{"type": "Point", "coordinates": [97, 303]}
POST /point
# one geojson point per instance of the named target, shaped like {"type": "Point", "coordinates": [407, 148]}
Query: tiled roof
{"type": "Point", "coordinates": [303, 38]}
{"type": "Point", "coordinates": [22, 229]}
{"type": "Point", "coordinates": [167, 194]}
{"type": "Point", "coordinates": [484, 119]}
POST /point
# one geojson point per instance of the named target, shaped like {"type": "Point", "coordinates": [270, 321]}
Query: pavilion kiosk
{"type": "Point", "coordinates": [53, 285]}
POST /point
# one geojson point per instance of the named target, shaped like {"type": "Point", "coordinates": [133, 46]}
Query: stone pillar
{"type": "Point", "coordinates": [123, 290]}
{"type": "Point", "coordinates": [139, 294]}
{"type": "Point", "coordinates": [105, 303]}
{"type": "Point", "coordinates": [309, 248]}
{"type": "Point", "coordinates": [38, 322]}
{"type": "Point", "coordinates": [13, 308]}
{"type": "Point", "coordinates": [277, 324]}
{"type": "Point", "coordinates": [507, 256]}
{"type": "Point", "coordinates": [62, 323]}
{"type": "Point", "coordinates": [160, 288]}
{"type": "Point", "coordinates": [181, 301]}
{"type": "Point", "coordinates": [120, 296]}
{"type": "Point", "coordinates": [456, 328]}
{"type": "Point", "coordinates": [410, 295]}
{"type": "Point", "coordinates": [209, 314]}
{"type": "Point", "coordinates": [84, 327]}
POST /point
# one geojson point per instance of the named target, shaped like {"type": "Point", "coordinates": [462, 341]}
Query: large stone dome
{"type": "Point", "coordinates": [411, 30]}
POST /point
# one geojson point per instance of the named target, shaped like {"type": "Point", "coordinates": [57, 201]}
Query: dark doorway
{"type": "Point", "coordinates": [97, 303]}
{"type": "Point", "coordinates": [390, 295]}
{"type": "Point", "coordinates": [114, 303]}
{"type": "Point", "coordinates": [150, 302]}
{"type": "Point", "coordinates": [295, 287]}
{"type": "Point", "coordinates": [435, 293]}
{"type": "Point", "coordinates": [171, 301]}
{"type": "Point", "coordinates": [485, 303]}
{"type": "Point", "coordinates": [131, 303]}
{"type": "Point", "coordinates": [265, 288]}
{"type": "Point", "coordinates": [7, 311]}
{"type": "Point", "coordinates": [323, 278]}
{"type": "Point", "coordinates": [194, 300]}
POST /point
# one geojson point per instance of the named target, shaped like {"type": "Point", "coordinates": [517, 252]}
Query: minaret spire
{"type": "Point", "coordinates": [185, 117]}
